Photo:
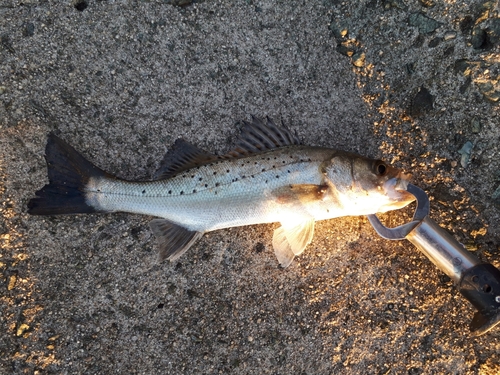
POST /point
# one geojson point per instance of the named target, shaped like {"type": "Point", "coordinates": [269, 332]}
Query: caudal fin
{"type": "Point", "coordinates": [69, 173]}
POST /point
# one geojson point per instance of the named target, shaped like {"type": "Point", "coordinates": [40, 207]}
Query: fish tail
{"type": "Point", "coordinates": [69, 173]}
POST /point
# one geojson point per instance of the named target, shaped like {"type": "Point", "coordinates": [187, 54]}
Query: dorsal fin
{"type": "Point", "coordinates": [257, 136]}
{"type": "Point", "coordinates": [182, 156]}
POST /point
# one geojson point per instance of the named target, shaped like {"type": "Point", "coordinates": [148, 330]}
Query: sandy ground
{"type": "Point", "coordinates": [409, 81]}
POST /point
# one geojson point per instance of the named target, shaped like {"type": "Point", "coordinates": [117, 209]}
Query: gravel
{"type": "Point", "coordinates": [411, 82]}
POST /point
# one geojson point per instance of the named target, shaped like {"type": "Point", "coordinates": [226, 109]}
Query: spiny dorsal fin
{"type": "Point", "coordinates": [182, 156]}
{"type": "Point", "coordinates": [257, 136]}
{"type": "Point", "coordinates": [173, 239]}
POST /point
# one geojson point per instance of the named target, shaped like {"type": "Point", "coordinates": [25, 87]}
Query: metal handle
{"type": "Point", "coordinates": [442, 249]}
{"type": "Point", "coordinates": [477, 281]}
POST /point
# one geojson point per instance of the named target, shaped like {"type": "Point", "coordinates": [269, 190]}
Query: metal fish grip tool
{"type": "Point", "coordinates": [477, 281]}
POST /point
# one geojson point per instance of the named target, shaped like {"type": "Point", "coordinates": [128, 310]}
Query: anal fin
{"type": "Point", "coordinates": [173, 239]}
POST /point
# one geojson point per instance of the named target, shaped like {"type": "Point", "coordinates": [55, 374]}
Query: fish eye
{"type": "Point", "coordinates": [381, 168]}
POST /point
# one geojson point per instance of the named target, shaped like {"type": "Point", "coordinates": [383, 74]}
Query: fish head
{"type": "Point", "coordinates": [367, 186]}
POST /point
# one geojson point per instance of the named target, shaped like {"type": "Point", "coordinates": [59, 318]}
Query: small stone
{"type": "Point", "coordinates": [435, 42]}
{"type": "Point", "coordinates": [358, 59]}
{"type": "Point", "coordinates": [496, 197]}
{"type": "Point", "coordinates": [475, 126]}
{"type": "Point", "coordinates": [425, 24]}
{"type": "Point", "coordinates": [21, 329]}
{"type": "Point", "coordinates": [422, 102]}
{"type": "Point", "coordinates": [427, 3]}
{"type": "Point", "coordinates": [2, 90]}
{"type": "Point", "coordinates": [345, 50]}
{"type": "Point", "coordinates": [12, 282]}
{"type": "Point", "coordinates": [478, 39]}
{"type": "Point", "coordinates": [449, 35]}
{"type": "Point", "coordinates": [29, 29]}
{"type": "Point", "coordinates": [465, 151]}
{"type": "Point", "coordinates": [493, 30]}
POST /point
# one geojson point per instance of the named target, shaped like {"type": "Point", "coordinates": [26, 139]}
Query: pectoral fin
{"type": "Point", "coordinates": [282, 248]}
{"type": "Point", "coordinates": [291, 239]}
{"type": "Point", "coordinates": [173, 239]}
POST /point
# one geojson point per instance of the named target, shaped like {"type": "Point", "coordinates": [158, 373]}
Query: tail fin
{"type": "Point", "coordinates": [69, 173]}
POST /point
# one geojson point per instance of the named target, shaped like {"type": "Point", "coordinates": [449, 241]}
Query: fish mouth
{"type": "Point", "coordinates": [396, 189]}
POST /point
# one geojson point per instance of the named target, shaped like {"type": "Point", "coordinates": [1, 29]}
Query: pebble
{"type": "Point", "coordinates": [475, 126]}
{"type": "Point", "coordinates": [496, 197]}
{"type": "Point", "coordinates": [478, 39]}
{"type": "Point", "coordinates": [425, 24]}
{"type": "Point", "coordinates": [358, 59]}
{"type": "Point", "coordinates": [465, 151]}
{"type": "Point", "coordinates": [422, 102]}
{"type": "Point", "coordinates": [449, 35]}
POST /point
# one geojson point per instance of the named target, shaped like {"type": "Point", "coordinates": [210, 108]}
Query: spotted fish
{"type": "Point", "coordinates": [269, 177]}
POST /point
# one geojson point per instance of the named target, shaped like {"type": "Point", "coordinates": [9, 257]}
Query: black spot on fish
{"type": "Point", "coordinates": [288, 171]}
{"type": "Point", "coordinates": [217, 184]}
{"type": "Point", "coordinates": [277, 176]}
{"type": "Point", "coordinates": [192, 176]}
{"type": "Point", "coordinates": [206, 185]}
{"type": "Point", "coordinates": [263, 169]}
{"type": "Point", "coordinates": [201, 178]}
{"type": "Point", "coordinates": [253, 176]}
{"type": "Point", "coordinates": [243, 176]}
{"type": "Point", "coordinates": [144, 192]}
{"type": "Point", "coordinates": [170, 191]}
{"type": "Point", "coordinates": [182, 192]}
{"type": "Point", "coordinates": [236, 179]}
{"type": "Point", "coordinates": [266, 181]}
{"type": "Point", "coordinates": [274, 166]}
{"type": "Point", "coordinates": [227, 171]}
{"type": "Point", "coordinates": [216, 193]}
{"type": "Point", "coordinates": [194, 191]}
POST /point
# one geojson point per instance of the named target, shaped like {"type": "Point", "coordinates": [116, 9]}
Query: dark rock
{"type": "Point", "coordinates": [461, 66]}
{"type": "Point", "coordinates": [425, 24]}
{"type": "Point", "coordinates": [435, 42]}
{"type": "Point", "coordinates": [422, 102]}
{"type": "Point", "coordinates": [6, 43]}
{"type": "Point", "coordinates": [496, 197]}
{"type": "Point", "coordinates": [466, 24]}
{"type": "Point", "coordinates": [345, 50]}
{"type": "Point", "coordinates": [463, 88]}
{"type": "Point", "coordinates": [479, 38]}
{"type": "Point", "coordinates": [29, 29]}
{"type": "Point", "coordinates": [493, 31]}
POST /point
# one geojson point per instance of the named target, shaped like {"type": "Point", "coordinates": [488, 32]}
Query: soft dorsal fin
{"type": "Point", "coordinates": [182, 156]}
{"type": "Point", "coordinates": [257, 136]}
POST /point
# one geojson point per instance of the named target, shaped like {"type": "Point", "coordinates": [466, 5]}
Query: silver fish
{"type": "Point", "coordinates": [269, 177]}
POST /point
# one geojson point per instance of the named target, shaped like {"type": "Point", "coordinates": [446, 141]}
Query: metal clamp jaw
{"type": "Point", "coordinates": [477, 281]}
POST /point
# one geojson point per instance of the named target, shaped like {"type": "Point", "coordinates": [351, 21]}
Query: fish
{"type": "Point", "coordinates": [270, 176]}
